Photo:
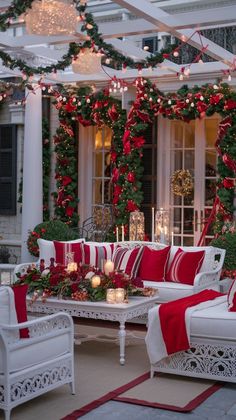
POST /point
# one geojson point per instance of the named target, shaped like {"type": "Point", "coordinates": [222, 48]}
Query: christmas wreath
{"type": "Point", "coordinates": [182, 182]}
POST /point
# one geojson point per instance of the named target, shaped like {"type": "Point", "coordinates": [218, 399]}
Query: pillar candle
{"type": "Point", "coordinates": [117, 234]}
{"type": "Point", "coordinates": [95, 281]}
{"type": "Point", "coordinates": [108, 267]}
{"type": "Point", "coordinates": [122, 233]}
{"type": "Point", "coordinates": [153, 223]}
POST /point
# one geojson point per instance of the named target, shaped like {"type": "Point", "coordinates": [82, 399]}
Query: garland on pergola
{"type": "Point", "coordinates": [93, 41]}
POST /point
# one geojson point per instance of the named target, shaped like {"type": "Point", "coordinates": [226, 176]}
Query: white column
{"type": "Point", "coordinates": [32, 198]}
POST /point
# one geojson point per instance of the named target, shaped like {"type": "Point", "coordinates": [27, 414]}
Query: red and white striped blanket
{"type": "Point", "coordinates": [169, 323]}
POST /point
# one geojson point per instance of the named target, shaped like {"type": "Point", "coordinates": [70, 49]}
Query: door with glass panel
{"type": "Point", "coordinates": [192, 147]}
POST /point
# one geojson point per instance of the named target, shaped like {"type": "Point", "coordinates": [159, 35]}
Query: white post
{"type": "Point", "coordinates": [32, 197]}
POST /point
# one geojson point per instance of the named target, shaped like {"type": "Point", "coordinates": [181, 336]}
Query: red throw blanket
{"type": "Point", "coordinates": [172, 319]}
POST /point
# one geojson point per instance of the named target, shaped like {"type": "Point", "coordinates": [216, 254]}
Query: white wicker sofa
{"type": "Point", "coordinates": [208, 276]}
{"type": "Point", "coordinates": [32, 366]}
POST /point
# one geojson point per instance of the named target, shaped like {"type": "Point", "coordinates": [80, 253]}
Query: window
{"type": "Point", "coordinates": [149, 179]}
{"type": "Point", "coordinates": [151, 43]}
{"type": "Point", "coordinates": [102, 193]}
{"type": "Point", "coordinates": [8, 169]}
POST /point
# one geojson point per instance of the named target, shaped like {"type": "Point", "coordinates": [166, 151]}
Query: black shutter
{"type": "Point", "coordinates": [8, 169]}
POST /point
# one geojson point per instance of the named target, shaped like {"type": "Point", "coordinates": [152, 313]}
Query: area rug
{"type": "Point", "coordinates": [99, 378]}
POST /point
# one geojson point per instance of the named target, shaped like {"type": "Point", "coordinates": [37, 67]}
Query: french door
{"type": "Point", "coordinates": [192, 147]}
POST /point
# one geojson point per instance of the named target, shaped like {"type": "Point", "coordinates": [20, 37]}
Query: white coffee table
{"type": "Point", "coordinates": [120, 312]}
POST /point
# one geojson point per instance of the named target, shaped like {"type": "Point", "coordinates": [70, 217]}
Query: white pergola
{"type": "Point", "coordinates": [150, 18]}
{"type": "Point", "coordinates": [147, 17]}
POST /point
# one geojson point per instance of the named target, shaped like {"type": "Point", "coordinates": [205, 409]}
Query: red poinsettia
{"type": "Point", "coordinates": [66, 180]}
{"type": "Point", "coordinates": [228, 183]}
{"type": "Point", "coordinates": [127, 148]}
{"type": "Point", "coordinates": [115, 175]}
{"type": "Point", "coordinates": [131, 206]}
{"type": "Point", "coordinates": [131, 177]}
{"type": "Point", "coordinates": [69, 211]}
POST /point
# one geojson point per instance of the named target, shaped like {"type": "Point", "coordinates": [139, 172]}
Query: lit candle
{"type": "Point", "coordinates": [117, 234]}
{"type": "Point", "coordinates": [111, 296]}
{"type": "Point", "coordinates": [172, 238]}
{"type": "Point", "coordinates": [120, 295]}
{"type": "Point", "coordinates": [95, 281]}
{"type": "Point", "coordinates": [72, 266]}
{"type": "Point", "coordinates": [108, 267]}
{"type": "Point", "coordinates": [122, 233]}
{"type": "Point", "coordinates": [153, 223]}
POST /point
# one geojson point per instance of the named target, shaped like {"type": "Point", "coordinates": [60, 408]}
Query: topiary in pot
{"type": "Point", "coordinates": [227, 241]}
{"type": "Point", "coordinates": [51, 230]}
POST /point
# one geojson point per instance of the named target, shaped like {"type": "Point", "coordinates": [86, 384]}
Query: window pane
{"type": "Point", "coordinates": [98, 164]}
{"type": "Point", "coordinates": [188, 241]}
{"type": "Point", "coordinates": [177, 220]}
{"type": "Point", "coordinates": [210, 169]}
{"type": "Point", "coordinates": [178, 135]}
{"type": "Point", "coordinates": [211, 128]}
{"type": "Point", "coordinates": [189, 135]}
{"type": "Point", "coordinates": [210, 191]}
{"type": "Point", "coordinates": [98, 139]}
{"type": "Point", "coordinates": [188, 221]}
{"type": "Point", "coordinates": [97, 191]}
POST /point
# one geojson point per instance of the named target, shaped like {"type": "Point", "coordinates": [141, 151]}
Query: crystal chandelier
{"type": "Point", "coordinates": [51, 17]}
{"type": "Point", "coordinates": [87, 62]}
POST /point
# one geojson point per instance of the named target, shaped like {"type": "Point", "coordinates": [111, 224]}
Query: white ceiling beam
{"type": "Point", "coordinates": [167, 23]}
{"type": "Point", "coordinates": [197, 19]}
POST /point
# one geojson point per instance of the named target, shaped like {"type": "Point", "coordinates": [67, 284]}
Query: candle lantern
{"type": "Point", "coordinates": [120, 295]}
{"type": "Point", "coordinates": [111, 296]}
{"type": "Point", "coordinates": [108, 267]}
{"type": "Point", "coordinates": [136, 226]}
{"type": "Point", "coordinates": [162, 226]}
{"type": "Point", "coordinates": [95, 281]}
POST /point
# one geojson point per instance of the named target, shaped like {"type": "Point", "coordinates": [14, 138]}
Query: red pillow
{"type": "Point", "coordinates": [63, 248]}
{"type": "Point", "coordinates": [185, 266]}
{"type": "Point", "coordinates": [20, 292]}
{"type": "Point", "coordinates": [127, 260]}
{"type": "Point", "coordinates": [153, 264]}
{"type": "Point", "coordinates": [231, 298]}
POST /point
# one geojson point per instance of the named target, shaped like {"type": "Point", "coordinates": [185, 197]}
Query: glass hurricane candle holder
{"type": "Point", "coordinates": [162, 226]}
{"type": "Point", "coordinates": [111, 296]}
{"type": "Point", "coordinates": [120, 295]}
{"type": "Point", "coordinates": [136, 226]}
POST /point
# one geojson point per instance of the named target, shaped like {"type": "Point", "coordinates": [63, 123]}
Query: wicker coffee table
{"type": "Point", "coordinates": [120, 312]}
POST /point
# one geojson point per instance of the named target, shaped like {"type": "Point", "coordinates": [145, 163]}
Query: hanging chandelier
{"type": "Point", "coordinates": [51, 17]}
{"type": "Point", "coordinates": [87, 62]}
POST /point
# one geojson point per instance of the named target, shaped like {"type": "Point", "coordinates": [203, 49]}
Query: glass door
{"type": "Point", "coordinates": [192, 147]}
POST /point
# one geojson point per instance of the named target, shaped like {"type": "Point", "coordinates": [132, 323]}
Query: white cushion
{"type": "Point", "coordinates": [47, 249]}
{"type": "Point", "coordinates": [170, 291]}
{"type": "Point", "coordinates": [40, 352]}
{"type": "Point", "coordinates": [7, 306]}
{"type": "Point", "coordinates": [215, 321]}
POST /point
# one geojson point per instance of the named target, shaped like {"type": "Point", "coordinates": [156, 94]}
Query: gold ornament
{"type": "Point", "coordinates": [182, 182]}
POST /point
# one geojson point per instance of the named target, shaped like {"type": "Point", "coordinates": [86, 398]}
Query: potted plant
{"type": "Point", "coordinates": [53, 230]}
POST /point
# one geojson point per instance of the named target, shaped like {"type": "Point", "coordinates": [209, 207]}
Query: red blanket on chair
{"type": "Point", "coordinates": [169, 323]}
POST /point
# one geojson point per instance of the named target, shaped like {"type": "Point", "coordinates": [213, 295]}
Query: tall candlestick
{"type": "Point", "coordinates": [117, 234]}
{"type": "Point", "coordinates": [172, 238]}
{"type": "Point", "coordinates": [153, 223]}
{"type": "Point", "coordinates": [122, 233]}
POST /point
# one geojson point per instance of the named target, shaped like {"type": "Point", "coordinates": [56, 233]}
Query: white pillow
{"type": "Point", "coordinates": [47, 249]}
{"type": "Point", "coordinates": [7, 306]}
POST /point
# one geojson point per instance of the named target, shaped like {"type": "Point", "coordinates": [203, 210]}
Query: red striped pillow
{"type": "Point", "coordinates": [128, 260]}
{"type": "Point", "coordinates": [231, 298]}
{"type": "Point", "coordinates": [63, 248]}
{"type": "Point", "coordinates": [185, 266]}
{"type": "Point", "coordinates": [94, 254]}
